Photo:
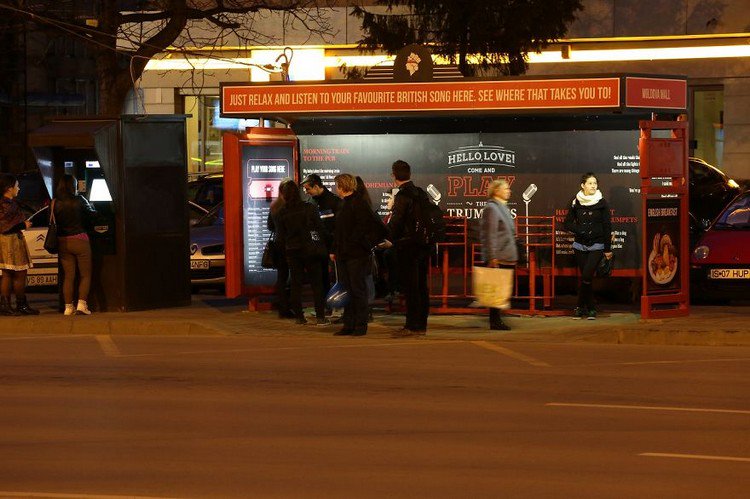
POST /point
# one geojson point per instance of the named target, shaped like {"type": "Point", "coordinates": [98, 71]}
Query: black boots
{"type": "Point", "coordinates": [5, 308]}
{"type": "Point", "coordinates": [23, 308]}
{"type": "Point", "coordinates": [496, 320]}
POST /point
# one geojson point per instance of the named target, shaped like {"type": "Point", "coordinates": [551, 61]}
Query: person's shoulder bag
{"type": "Point", "coordinates": [51, 242]}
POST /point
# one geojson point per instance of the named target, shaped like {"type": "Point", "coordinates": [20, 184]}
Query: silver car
{"type": "Point", "coordinates": [44, 271]}
{"type": "Point", "coordinates": [207, 257]}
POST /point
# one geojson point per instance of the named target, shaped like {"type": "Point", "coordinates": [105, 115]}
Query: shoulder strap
{"type": "Point", "coordinates": [52, 211]}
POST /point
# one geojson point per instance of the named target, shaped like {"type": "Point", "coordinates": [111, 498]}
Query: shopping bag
{"type": "Point", "coordinates": [493, 287]}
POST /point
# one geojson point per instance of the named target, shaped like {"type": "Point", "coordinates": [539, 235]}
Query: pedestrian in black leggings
{"type": "Point", "coordinates": [589, 219]}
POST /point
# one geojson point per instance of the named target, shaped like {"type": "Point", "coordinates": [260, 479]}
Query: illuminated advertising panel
{"type": "Point", "coordinates": [663, 231]}
{"type": "Point", "coordinates": [456, 169]}
{"type": "Point", "coordinates": [263, 168]}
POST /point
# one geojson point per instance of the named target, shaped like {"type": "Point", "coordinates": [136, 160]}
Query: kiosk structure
{"type": "Point", "coordinates": [539, 134]}
{"type": "Point", "coordinates": [133, 169]}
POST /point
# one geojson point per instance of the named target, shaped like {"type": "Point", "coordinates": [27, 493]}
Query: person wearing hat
{"type": "Point", "coordinates": [328, 206]}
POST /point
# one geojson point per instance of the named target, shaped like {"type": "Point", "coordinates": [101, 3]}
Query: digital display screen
{"type": "Point", "coordinates": [263, 169]}
{"type": "Point", "coordinates": [92, 164]}
{"type": "Point", "coordinates": [99, 190]}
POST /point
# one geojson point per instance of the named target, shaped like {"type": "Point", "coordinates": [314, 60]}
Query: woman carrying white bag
{"type": "Point", "coordinates": [493, 284]}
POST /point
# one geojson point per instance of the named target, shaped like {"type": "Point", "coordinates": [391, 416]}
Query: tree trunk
{"type": "Point", "coordinates": [117, 73]}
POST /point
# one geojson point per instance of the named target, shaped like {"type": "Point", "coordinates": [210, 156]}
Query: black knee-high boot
{"type": "Point", "coordinates": [5, 308]}
{"type": "Point", "coordinates": [23, 308]}
{"type": "Point", "coordinates": [496, 320]}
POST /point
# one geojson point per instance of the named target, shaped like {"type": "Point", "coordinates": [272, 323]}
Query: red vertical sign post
{"type": "Point", "coordinates": [663, 148]}
{"type": "Point", "coordinates": [255, 163]}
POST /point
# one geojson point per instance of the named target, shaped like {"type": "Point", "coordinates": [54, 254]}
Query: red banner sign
{"type": "Point", "coordinates": [420, 97]}
{"type": "Point", "coordinates": [657, 93]}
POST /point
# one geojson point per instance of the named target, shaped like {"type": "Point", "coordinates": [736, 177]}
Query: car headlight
{"type": "Point", "coordinates": [700, 253]}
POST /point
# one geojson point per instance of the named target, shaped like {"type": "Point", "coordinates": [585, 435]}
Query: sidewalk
{"type": "Point", "coordinates": [213, 315]}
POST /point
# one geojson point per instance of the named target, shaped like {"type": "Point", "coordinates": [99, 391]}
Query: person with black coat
{"type": "Point", "coordinates": [411, 255]}
{"type": "Point", "coordinates": [299, 231]}
{"type": "Point", "coordinates": [279, 258]}
{"type": "Point", "coordinates": [356, 234]}
{"type": "Point", "coordinates": [589, 220]}
{"type": "Point", "coordinates": [328, 206]}
{"type": "Point", "coordinates": [73, 216]}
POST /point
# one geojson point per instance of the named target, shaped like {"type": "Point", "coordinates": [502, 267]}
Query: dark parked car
{"type": "Point", "coordinates": [33, 191]}
{"type": "Point", "coordinates": [720, 263]}
{"type": "Point", "coordinates": [207, 260]}
{"type": "Point", "coordinates": [710, 191]}
{"type": "Point", "coordinates": [207, 191]}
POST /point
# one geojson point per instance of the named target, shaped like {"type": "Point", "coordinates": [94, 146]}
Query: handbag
{"type": "Point", "coordinates": [493, 287]}
{"type": "Point", "coordinates": [604, 269]}
{"type": "Point", "coordinates": [268, 260]}
{"type": "Point", "coordinates": [51, 242]}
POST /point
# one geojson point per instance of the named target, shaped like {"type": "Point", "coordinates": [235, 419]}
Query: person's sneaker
{"type": "Point", "coordinates": [343, 332]}
{"type": "Point", "coordinates": [323, 322]}
{"type": "Point", "coordinates": [499, 326]}
{"type": "Point", "coordinates": [69, 309]}
{"type": "Point", "coordinates": [301, 321]}
{"type": "Point", "coordinates": [591, 315]}
{"type": "Point", "coordinates": [83, 308]}
{"type": "Point", "coordinates": [579, 313]}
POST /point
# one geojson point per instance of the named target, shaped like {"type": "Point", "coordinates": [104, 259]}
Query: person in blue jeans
{"type": "Point", "coordinates": [589, 219]}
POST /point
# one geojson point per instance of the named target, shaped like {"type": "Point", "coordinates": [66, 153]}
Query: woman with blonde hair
{"type": "Point", "coordinates": [498, 235]}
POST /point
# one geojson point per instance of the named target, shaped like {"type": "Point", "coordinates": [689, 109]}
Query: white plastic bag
{"type": "Point", "coordinates": [493, 287]}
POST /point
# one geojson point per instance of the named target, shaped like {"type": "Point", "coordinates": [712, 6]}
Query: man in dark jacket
{"type": "Point", "coordinates": [411, 253]}
{"type": "Point", "coordinates": [328, 207]}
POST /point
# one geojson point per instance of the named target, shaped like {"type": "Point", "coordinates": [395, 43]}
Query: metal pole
{"type": "Point", "coordinates": [527, 230]}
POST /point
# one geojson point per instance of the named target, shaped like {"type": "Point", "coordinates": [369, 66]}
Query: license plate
{"type": "Point", "coordinates": [730, 274]}
{"type": "Point", "coordinates": [41, 280]}
{"type": "Point", "coordinates": [199, 264]}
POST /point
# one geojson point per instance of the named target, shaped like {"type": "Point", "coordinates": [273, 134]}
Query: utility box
{"type": "Point", "coordinates": [133, 170]}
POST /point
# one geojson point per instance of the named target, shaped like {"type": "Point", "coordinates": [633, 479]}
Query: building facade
{"type": "Point", "coordinates": [706, 40]}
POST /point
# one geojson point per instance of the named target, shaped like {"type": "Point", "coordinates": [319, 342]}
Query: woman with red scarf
{"type": "Point", "coordinates": [15, 259]}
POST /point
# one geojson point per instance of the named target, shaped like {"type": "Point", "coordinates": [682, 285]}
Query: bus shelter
{"type": "Point", "coordinates": [540, 134]}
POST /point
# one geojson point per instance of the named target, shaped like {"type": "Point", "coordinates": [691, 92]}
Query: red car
{"type": "Point", "coordinates": [720, 263]}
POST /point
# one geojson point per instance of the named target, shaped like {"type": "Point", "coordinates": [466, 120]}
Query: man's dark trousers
{"type": "Point", "coordinates": [413, 274]}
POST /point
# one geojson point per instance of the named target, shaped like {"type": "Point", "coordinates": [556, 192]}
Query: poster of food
{"type": "Point", "coordinates": [663, 231]}
{"type": "Point", "coordinates": [543, 168]}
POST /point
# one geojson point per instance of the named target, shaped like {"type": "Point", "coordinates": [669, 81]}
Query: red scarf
{"type": "Point", "coordinates": [10, 214]}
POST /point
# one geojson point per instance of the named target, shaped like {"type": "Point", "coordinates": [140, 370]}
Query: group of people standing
{"type": "Point", "coordinates": [342, 232]}
{"type": "Point", "coordinates": [73, 215]}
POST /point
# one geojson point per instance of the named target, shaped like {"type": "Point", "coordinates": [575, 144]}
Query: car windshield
{"type": "Point", "coordinates": [737, 214]}
{"type": "Point", "coordinates": [213, 217]}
